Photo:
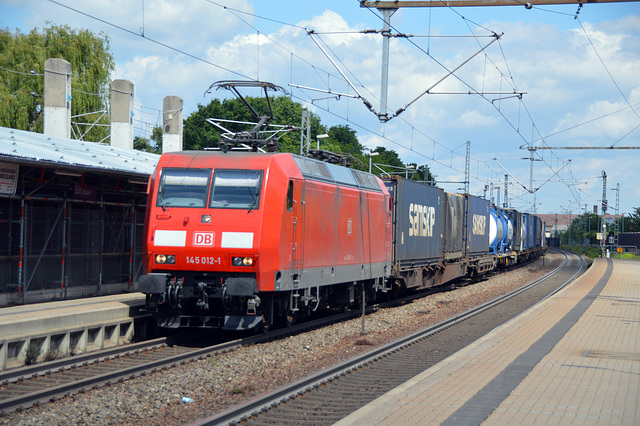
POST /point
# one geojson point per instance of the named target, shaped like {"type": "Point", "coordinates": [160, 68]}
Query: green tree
{"type": "Point", "coordinates": [22, 58]}
{"type": "Point", "coordinates": [388, 157]}
{"type": "Point", "coordinates": [199, 134]}
{"type": "Point", "coordinates": [632, 222]}
{"type": "Point", "coordinates": [582, 230]}
{"type": "Point", "coordinates": [153, 144]}
{"type": "Point", "coordinates": [346, 139]}
{"type": "Point", "coordinates": [422, 173]}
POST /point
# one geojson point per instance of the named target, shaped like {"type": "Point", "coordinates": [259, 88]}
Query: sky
{"type": "Point", "coordinates": [512, 81]}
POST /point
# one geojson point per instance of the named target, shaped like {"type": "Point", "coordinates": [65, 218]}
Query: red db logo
{"type": "Point", "coordinates": [203, 238]}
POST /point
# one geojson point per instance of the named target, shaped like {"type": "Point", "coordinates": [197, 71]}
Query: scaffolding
{"type": "Point", "coordinates": [70, 234]}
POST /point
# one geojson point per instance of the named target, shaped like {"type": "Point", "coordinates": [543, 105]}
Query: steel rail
{"type": "Point", "coordinates": [281, 395]}
{"type": "Point", "coordinates": [92, 382]}
{"type": "Point", "coordinates": [14, 375]}
{"type": "Point", "coordinates": [54, 392]}
{"type": "Point", "coordinates": [46, 394]}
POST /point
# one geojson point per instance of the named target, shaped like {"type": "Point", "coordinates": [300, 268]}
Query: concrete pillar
{"type": "Point", "coordinates": [57, 98]}
{"type": "Point", "coordinates": [122, 114]}
{"type": "Point", "coordinates": [172, 124]}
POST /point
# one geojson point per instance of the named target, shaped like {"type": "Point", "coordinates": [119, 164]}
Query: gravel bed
{"type": "Point", "coordinates": [219, 382]}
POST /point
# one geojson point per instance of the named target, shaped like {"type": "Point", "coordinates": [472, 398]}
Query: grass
{"type": "Point", "coordinates": [588, 251]}
{"type": "Point", "coordinates": [594, 252]}
{"type": "Point", "coordinates": [31, 354]}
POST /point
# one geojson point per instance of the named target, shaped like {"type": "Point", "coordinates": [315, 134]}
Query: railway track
{"type": "Point", "coordinates": [331, 394]}
{"type": "Point", "coordinates": [32, 385]}
{"type": "Point", "coordinates": [29, 386]}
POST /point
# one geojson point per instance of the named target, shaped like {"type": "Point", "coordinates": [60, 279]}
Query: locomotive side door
{"type": "Point", "coordinates": [295, 204]}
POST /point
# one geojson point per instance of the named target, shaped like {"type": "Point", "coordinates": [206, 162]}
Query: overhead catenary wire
{"type": "Point", "coordinates": [517, 127]}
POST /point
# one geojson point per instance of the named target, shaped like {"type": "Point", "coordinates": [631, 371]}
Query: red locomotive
{"type": "Point", "coordinates": [238, 240]}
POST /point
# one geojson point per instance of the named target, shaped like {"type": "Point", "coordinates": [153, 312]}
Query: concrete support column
{"type": "Point", "coordinates": [172, 124]}
{"type": "Point", "coordinates": [57, 98]}
{"type": "Point", "coordinates": [122, 114]}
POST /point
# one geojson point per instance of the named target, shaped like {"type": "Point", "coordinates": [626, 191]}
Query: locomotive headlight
{"type": "Point", "coordinates": [205, 218]}
{"type": "Point", "coordinates": [242, 261]}
{"type": "Point", "coordinates": [166, 259]}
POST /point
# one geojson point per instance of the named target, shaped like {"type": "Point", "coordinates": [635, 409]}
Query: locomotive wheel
{"type": "Point", "coordinates": [289, 319]}
{"type": "Point", "coordinates": [264, 326]}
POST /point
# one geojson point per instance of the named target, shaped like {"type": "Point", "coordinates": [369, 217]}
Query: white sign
{"type": "Point", "coordinates": [8, 179]}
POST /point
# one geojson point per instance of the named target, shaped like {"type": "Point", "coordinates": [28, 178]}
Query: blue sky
{"type": "Point", "coordinates": [581, 78]}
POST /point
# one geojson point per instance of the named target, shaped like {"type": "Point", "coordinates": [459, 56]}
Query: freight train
{"type": "Point", "coordinates": [240, 240]}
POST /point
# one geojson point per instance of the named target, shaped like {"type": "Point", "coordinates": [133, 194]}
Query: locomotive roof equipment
{"type": "Point", "coordinates": [259, 135]}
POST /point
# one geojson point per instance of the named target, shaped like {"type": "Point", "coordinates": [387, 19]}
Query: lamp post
{"type": "Point", "coordinates": [406, 171]}
{"type": "Point", "coordinates": [322, 136]}
{"type": "Point", "coordinates": [372, 154]}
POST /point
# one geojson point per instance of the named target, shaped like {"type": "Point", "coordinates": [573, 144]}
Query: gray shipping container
{"type": "Point", "coordinates": [477, 225]}
{"type": "Point", "coordinates": [538, 232]}
{"type": "Point", "coordinates": [454, 226]}
{"type": "Point", "coordinates": [417, 222]}
{"type": "Point", "coordinates": [516, 218]}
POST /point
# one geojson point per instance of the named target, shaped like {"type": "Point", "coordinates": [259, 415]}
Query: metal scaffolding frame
{"type": "Point", "coordinates": [66, 234]}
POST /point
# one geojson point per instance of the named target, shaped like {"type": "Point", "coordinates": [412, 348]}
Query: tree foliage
{"type": "Point", "coordinates": [199, 134]}
{"type": "Point", "coordinates": [583, 230]}
{"type": "Point", "coordinates": [152, 144]}
{"type": "Point", "coordinates": [22, 58]}
{"type": "Point", "coordinates": [423, 174]}
{"type": "Point", "coordinates": [632, 222]}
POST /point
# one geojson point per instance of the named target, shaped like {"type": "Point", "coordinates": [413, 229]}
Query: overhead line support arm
{"type": "Point", "coordinates": [381, 5]}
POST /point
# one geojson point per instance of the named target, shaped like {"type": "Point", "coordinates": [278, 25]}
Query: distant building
{"type": "Point", "coordinates": [557, 223]}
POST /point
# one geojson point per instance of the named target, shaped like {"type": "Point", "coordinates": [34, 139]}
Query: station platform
{"type": "Point", "coordinates": [68, 326]}
{"type": "Point", "coordinates": [573, 358]}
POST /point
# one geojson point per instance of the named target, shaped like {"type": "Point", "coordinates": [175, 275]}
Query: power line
{"type": "Point", "coordinates": [197, 58]}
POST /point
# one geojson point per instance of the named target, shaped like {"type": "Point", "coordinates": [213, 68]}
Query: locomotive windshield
{"type": "Point", "coordinates": [236, 189]}
{"type": "Point", "coordinates": [183, 188]}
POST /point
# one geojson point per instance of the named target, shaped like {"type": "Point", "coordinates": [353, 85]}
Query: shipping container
{"type": "Point", "coordinates": [454, 226]}
{"type": "Point", "coordinates": [519, 231]}
{"type": "Point", "coordinates": [477, 225]}
{"type": "Point", "coordinates": [523, 232]}
{"type": "Point", "coordinates": [531, 231]}
{"type": "Point", "coordinates": [539, 232]}
{"type": "Point", "coordinates": [418, 223]}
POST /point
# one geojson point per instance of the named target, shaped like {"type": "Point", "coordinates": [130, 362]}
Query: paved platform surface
{"type": "Point", "coordinates": [573, 359]}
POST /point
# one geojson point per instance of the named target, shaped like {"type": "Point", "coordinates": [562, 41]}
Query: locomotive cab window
{"type": "Point", "coordinates": [236, 189]}
{"type": "Point", "coordinates": [183, 188]}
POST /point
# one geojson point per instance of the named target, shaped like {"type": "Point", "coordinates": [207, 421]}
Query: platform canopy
{"type": "Point", "coordinates": [19, 146]}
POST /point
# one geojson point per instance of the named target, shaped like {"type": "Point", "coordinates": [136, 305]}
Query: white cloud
{"type": "Point", "coordinates": [550, 59]}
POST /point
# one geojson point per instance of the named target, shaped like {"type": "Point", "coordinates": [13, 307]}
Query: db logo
{"type": "Point", "coordinates": [203, 238]}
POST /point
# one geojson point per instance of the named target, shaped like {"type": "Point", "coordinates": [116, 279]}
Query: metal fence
{"type": "Point", "coordinates": [54, 241]}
